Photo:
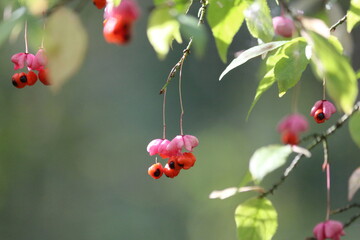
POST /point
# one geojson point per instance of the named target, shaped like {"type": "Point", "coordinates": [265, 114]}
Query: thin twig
{"type": "Point", "coordinates": [341, 21]}
{"type": "Point", "coordinates": [343, 209]}
{"type": "Point", "coordinates": [318, 139]}
{"type": "Point", "coordinates": [186, 51]}
{"type": "Point", "coordinates": [352, 219]}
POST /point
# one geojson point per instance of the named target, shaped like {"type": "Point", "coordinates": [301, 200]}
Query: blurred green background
{"type": "Point", "coordinates": [73, 165]}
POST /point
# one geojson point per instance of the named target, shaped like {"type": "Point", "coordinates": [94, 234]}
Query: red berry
{"type": "Point", "coordinates": [43, 76]}
{"type": "Point", "coordinates": [16, 81]}
{"type": "Point", "coordinates": [290, 138]}
{"type": "Point", "coordinates": [99, 3]}
{"type": "Point", "coordinates": [171, 172]}
{"type": "Point", "coordinates": [156, 170]}
{"type": "Point", "coordinates": [283, 26]}
{"type": "Point", "coordinates": [31, 78]}
{"type": "Point", "coordinates": [186, 160]}
{"type": "Point", "coordinates": [319, 116]}
{"type": "Point", "coordinates": [117, 30]}
{"type": "Point", "coordinates": [173, 163]}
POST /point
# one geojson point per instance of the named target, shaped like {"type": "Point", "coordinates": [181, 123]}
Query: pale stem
{"type": "Point", "coordinates": [324, 89]}
{"type": "Point", "coordinates": [181, 102]}
{"type": "Point", "coordinates": [163, 114]}
{"type": "Point", "coordinates": [328, 192]}
{"type": "Point", "coordinates": [25, 37]}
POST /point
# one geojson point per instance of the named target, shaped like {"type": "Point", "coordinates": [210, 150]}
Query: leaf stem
{"type": "Point", "coordinates": [26, 38]}
{"type": "Point", "coordinates": [341, 21]}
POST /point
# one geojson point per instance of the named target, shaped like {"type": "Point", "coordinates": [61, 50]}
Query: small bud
{"type": "Point", "coordinates": [329, 229]}
{"type": "Point", "coordinates": [283, 26]}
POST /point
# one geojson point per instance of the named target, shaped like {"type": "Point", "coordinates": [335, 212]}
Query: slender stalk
{"type": "Point", "coordinates": [163, 115]}
{"type": "Point", "coordinates": [327, 192]}
{"type": "Point", "coordinates": [181, 102]}
{"type": "Point", "coordinates": [341, 21]}
{"type": "Point", "coordinates": [26, 39]}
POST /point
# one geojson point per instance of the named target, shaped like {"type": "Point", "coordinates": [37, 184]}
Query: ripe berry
{"type": "Point", "coordinates": [156, 170]}
{"type": "Point", "coordinates": [290, 138]}
{"type": "Point", "coordinates": [22, 77]}
{"type": "Point", "coordinates": [173, 163]}
{"type": "Point", "coordinates": [186, 160]}
{"type": "Point", "coordinates": [99, 3]}
{"type": "Point", "coordinates": [16, 80]}
{"type": "Point", "coordinates": [43, 76]}
{"type": "Point", "coordinates": [117, 30]}
{"type": "Point", "coordinates": [171, 172]}
{"type": "Point", "coordinates": [283, 26]}
{"type": "Point", "coordinates": [319, 116]}
{"type": "Point", "coordinates": [31, 78]}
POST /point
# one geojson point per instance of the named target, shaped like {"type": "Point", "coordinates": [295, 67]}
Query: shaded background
{"type": "Point", "coordinates": [74, 165]}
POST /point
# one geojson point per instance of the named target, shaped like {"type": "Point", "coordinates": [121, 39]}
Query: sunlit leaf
{"type": "Point", "coordinates": [37, 7]}
{"type": "Point", "coordinates": [246, 179]}
{"type": "Point", "coordinates": [358, 74]}
{"type": "Point", "coordinates": [267, 159]}
{"type": "Point", "coordinates": [66, 44]}
{"type": "Point", "coordinates": [162, 29]}
{"type": "Point", "coordinates": [341, 81]}
{"type": "Point", "coordinates": [6, 26]}
{"type": "Point", "coordinates": [289, 68]}
{"type": "Point", "coordinates": [251, 53]}
{"type": "Point", "coordinates": [256, 219]}
{"type": "Point", "coordinates": [231, 191]}
{"type": "Point", "coordinates": [354, 128]}
{"type": "Point", "coordinates": [259, 21]}
{"type": "Point", "coordinates": [182, 6]}
{"type": "Point", "coordinates": [353, 15]}
{"type": "Point", "coordinates": [225, 18]}
{"type": "Point", "coordinates": [354, 183]}
{"type": "Point", "coordinates": [190, 28]}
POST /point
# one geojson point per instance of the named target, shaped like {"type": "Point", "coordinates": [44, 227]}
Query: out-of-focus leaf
{"type": "Point", "coordinates": [66, 44]}
{"type": "Point", "coordinates": [267, 159]}
{"type": "Point", "coordinates": [289, 68]}
{"type": "Point", "coordinates": [251, 53]}
{"type": "Point", "coordinates": [37, 7]}
{"type": "Point", "coordinates": [354, 128]}
{"type": "Point", "coordinates": [162, 29]}
{"type": "Point", "coordinates": [116, 2]}
{"type": "Point", "coordinates": [358, 74]}
{"type": "Point", "coordinates": [341, 81]}
{"type": "Point", "coordinates": [316, 25]}
{"type": "Point", "coordinates": [231, 191]}
{"type": "Point", "coordinates": [190, 28]}
{"type": "Point", "coordinates": [7, 25]}
{"type": "Point", "coordinates": [225, 18]}
{"type": "Point", "coordinates": [182, 6]}
{"type": "Point", "coordinates": [259, 21]}
{"type": "Point", "coordinates": [354, 183]}
{"type": "Point", "coordinates": [246, 179]}
{"type": "Point", "coordinates": [353, 15]}
{"type": "Point", "coordinates": [256, 219]}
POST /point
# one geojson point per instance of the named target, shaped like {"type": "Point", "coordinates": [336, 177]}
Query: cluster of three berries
{"type": "Point", "coordinates": [33, 63]}
{"type": "Point", "coordinates": [173, 150]}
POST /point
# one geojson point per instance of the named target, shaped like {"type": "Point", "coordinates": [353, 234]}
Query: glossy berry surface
{"type": "Point", "coordinates": [16, 80]}
{"type": "Point", "coordinates": [186, 160]}
{"type": "Point", "coordinates": [290, 138]}
{"type": "Point", "coordinates": [99, 3]}
{"type": "Point", "coordinates": [156, 170]}
{"type": "Point", "coordinates": [169, 172]}
{"type": "Point", "coordinates": [43, 76]}
{"type": "Point", "coordinates": [283, 26]}
{"type": "Point", "coordinates": [31, 78]}
{"type": "Point", "coordinates": [117, 30]}
{"type": "Point", "coordinates": [319, 116]}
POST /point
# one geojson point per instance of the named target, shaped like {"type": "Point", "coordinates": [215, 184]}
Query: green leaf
{"type": "Point", "coordinates": [267, 159]}
{"type": "Point", "coordinates": [116, 2]}
{"type": "Point", "coordinates": [354, 128]}
{"type": "Point", "coordinates": [8, 25]}
{"type": "Point", "coordinates": [353, 15]}
{"type": "Point", "coordinates": [190, 28]}
{"type": "Point", "coordinates": [341, 81]}
{"type": "Point", "coordinates": [162, 29]}
{"type": "Point", "coordinates": [225, 18]}
{"type": "Point", "coordinates": [358, 74]}
{"type": "Point", "coordinates": [354, 183]}
{"type": "Point", "coordinates": [256, 219]}
{"type": "Point", "coordinates": [66, 44]}
{"type": "Point", "coordinates": [289, 68]}
{"type": "Point", "coordinates": [182, 6]}
{"type": "Point", "coordinates": [251, 53]}
{"type": "Point", "coordinates": [259, 21]}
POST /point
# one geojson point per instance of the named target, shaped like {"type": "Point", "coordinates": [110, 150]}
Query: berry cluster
{"type": "Point", "coordinates": [33, 63]}
{"type": "Point", "coordinates": [322, 110]}
{"type": "Point", "coordinates": [118, 21]}
{"type": "Point", "coordinates": [173, 151]}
